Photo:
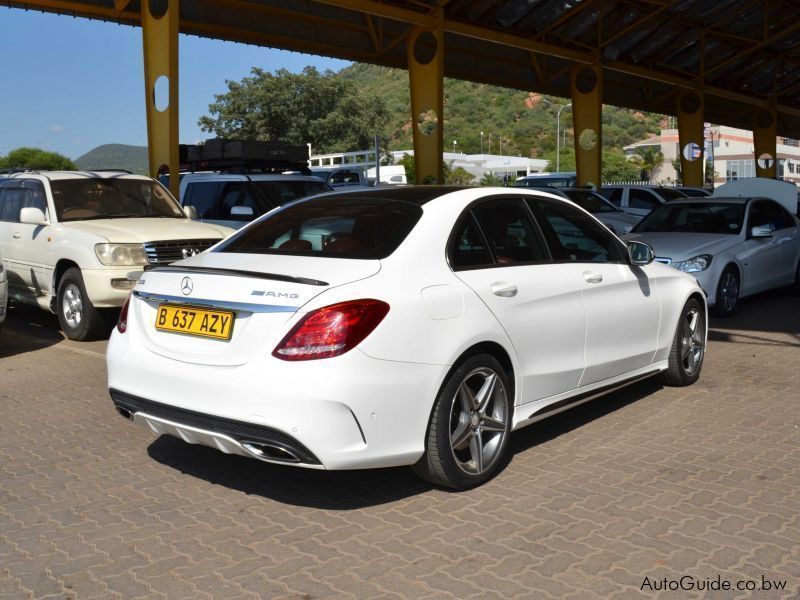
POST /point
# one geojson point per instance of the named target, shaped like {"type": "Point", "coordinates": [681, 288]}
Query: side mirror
{"type": "Point", "coordinates": [32, 216]}
{"type": "Point", "coordinates": [640, 254]}
{"type": "Point", "coordinates": [762, 231]}
{"type": "Point", "coordinates": [190, 211]}
{"type": "Point", "coordinates": [241, 211]}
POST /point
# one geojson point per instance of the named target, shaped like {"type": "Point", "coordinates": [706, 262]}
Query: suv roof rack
{"type": "Point", "coordinates": [110, 171]}
{"type": "Point", "coordinates": [12, 170]}
{"type": "Point", "coordinates": [244, 156]}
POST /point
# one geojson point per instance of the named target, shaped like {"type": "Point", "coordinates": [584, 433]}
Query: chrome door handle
{"type": "Point", "coordinates": [592, 277]}
{"type": "Point", "coordinates": [504, 290]}
{"type": "Point", "coordinates": [17, 235]}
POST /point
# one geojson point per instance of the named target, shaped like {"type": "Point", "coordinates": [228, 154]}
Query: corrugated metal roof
{"type": "Point", "coordinates": [744, 53]}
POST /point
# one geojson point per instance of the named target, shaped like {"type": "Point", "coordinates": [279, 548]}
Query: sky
{"type": "Point", "coordinates": [70, 84]}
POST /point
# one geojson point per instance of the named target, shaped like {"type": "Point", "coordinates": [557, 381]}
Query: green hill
{"type": "Point", "coordinates": [524, 121]}
{"type": "Point", "coordinates": [115, 156]}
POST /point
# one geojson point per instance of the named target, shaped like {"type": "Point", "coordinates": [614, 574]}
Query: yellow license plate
{"type": "Point", "coordinates": [217, 324]}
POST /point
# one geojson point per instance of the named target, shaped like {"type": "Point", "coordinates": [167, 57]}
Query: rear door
{"type": "Point", "coordinates": [499, 252]}
{"type": "Point", "coordinates": [621, 301]}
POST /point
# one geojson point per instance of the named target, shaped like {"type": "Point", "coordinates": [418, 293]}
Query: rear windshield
{"type": "Point", "coordinates": [591, 201]}
{"type": "Point", "coordinates": [100, 198]}
{"type": "Point", "coordinates": [697, 217]}
{"type": "Point", "coordinates": [336, 227]}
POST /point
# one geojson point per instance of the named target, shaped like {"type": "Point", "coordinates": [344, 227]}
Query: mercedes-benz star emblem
{"type": "Point", "coordinates": [187, 286]}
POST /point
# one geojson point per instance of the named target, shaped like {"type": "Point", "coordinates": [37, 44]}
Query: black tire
{"type": "Point", "coordinates": [688, 347]}
{"type": "Point", "coordinates": [482, 434]}
{"type": "Point", "coordinates": [796, 284]}
{"type": "Point", "coordinates": [727, 294]}
{"type": "Point", "coordinates": [79, 320]}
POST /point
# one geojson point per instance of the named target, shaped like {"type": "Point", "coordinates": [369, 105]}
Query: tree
{"type": "Point", "coordinates": [490, 179]}
{"type": "Point", "coordinates": [459, 176]}
{"type": "Point", "coordinates": [322, 109]}
{"type": "Point", "coordinates": [35, 158]}
{"type": "Point", "coordinates": [617, 167]}
{"type": "Point", "coordinates": [411, 171]}
{"type": "Point", "coordinates": [648, 160]}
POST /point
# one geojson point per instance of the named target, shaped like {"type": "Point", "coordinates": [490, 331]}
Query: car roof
{"type": "Point", "coordinates": [714, 200]}
{"type": "Point", "coordinates": [216, 175]}
{"type": "Point", "coordinates": [416, 194]}
{"type": "Point", "coordinates": [62, 175]}
{"type": "Point", "coordinates": [557, 174]}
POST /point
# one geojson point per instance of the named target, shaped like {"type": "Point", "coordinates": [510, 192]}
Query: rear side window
{"type": "Point", "coordinates": [642, 199]}
{"type": "Point", "coordinates": [468, 249]}
{"type": "Point", "coordinates": [356, 227]}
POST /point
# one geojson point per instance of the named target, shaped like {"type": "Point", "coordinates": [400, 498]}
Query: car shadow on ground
{"type": "Point", "coordinates": [767, 313]}
{"type": "Point", "coordinates": [350, 490]}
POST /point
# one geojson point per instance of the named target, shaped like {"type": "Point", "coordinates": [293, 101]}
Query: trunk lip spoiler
{"type": "Point", "coordinates": [220, 304]}
{"type": "Point", "coordinates": [234, 273]}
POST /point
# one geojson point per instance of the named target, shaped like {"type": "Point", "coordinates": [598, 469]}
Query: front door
{"type": "Point", "coordinates": [621, 301]}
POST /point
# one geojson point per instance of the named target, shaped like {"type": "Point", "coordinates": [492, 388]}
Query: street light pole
{"type": "Point", "coordinates": [558, 136]}
{"type": "Point", "coordinates": [481, 142]}
{"type": "Point", "coordinates": [454, 146]}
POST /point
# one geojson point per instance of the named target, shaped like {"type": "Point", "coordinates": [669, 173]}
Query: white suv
{"type": "Point", "coordinates": [69, 239]}
{"type": "Point", "coordinates": [3, 294]}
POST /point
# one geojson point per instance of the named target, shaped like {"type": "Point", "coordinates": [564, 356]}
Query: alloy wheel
{"type": "Point", "coordinates": [692, 341]}
{"type": "Point", "coordinates": [72, 305]}
{"type": "Point", "coordinates": [478, 421]}
{"type": "Point", "coordinates": [729, 291]}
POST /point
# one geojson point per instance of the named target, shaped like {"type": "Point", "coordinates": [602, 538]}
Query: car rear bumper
{"type": "Point", "coordinates": [348, 412]}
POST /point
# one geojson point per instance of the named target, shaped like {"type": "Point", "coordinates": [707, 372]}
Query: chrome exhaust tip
{"type": "Point", "coordinates": [272, 452]}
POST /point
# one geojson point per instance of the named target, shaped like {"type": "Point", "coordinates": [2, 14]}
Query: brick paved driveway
{"type": "Point", "coordinates": [649, 482]}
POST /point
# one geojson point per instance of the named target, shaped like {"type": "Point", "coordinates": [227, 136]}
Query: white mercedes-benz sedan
{"type": "Point", "coordinates": [735, 247]}
{"type": "Point", "coordinates": [400, 326]}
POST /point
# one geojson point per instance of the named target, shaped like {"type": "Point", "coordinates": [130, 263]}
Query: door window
{"type": "Point", "coordinates": [644, 199]}
{"type": "Point", "coordinates": [24, 194]}
{"type": "Point", "coordinates": [576, 237]}
{"type": "Point", "coordinates": [509, 232]}
{"type": "Point", "coordinates": [614, 195]}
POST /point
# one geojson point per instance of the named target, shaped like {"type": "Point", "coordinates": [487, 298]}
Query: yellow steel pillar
{"type": "Point", "coordinates": [587, 111]}
{"type": "Point", "coordinates": [426, 75]}
{"type": "Point", "coordinates": [765, 145]}
{"type": "Point", "coordinates": [690, 137]}
{"type": "Point", "coordinates": [160, 37]}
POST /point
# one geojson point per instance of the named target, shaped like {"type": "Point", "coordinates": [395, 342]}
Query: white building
{"type": "Point", "coordinates": [478, 165]}
{"type": "Point", "coordinates": [730, 149]}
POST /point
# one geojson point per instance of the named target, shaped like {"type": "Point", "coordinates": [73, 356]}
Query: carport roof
{"type": "Point", "coordinates": [744, 54]}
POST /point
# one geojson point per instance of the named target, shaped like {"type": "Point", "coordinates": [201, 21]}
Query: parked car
{"type": "Point", "coordinates": [735, 247]}
{"type": "Point", "coordinates": [69, 239]}
{"type": "Point", "coordinates": [343, 176]}
{"type": "Point", "coordinates": [3, 294]}
{"type": "Point", "coordinates": [540, 180]}
{"type": "Point", "coordinates": [605, 212]}
{"type": "Point", "coordinates": [639, 199]}
{"type": "Point", "coordinates": [693, 192]}
{"type": "Point", "coordinates": [399, 326]}
{"type": "Point", "coordinates": [233, 200]}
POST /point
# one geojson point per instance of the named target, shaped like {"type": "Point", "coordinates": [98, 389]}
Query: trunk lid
{"type": "Point", "coordinates": [262, 291]}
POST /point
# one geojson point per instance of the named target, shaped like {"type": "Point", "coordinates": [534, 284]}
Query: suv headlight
{"type": "Point", "coordinates": [693, 265]}
{"type": "Point", "coordinates": [121, 255]}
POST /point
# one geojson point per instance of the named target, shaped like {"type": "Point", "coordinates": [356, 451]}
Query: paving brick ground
{"type": "Point", "coordinates": [650, 482]}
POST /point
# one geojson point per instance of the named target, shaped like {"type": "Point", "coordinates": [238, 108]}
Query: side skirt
{"type": "Point", "coordinates": [558, 406]}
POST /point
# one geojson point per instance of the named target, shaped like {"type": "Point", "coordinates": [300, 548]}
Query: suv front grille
{"type": "Point", "coordinates": [167, 251]}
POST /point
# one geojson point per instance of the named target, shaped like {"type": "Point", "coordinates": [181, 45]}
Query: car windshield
{"type": "Point", "coordinates": [356, 226]}
{"type": "Point", "coordinates": [590, 201]}
{"type": "Point", "coordinates": [670, 194]}
{"type": "Point", "coordinates": [112, 198]}
{"type": "Point", "coordinates": [695, 217]}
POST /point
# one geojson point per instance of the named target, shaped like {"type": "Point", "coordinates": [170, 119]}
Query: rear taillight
{"type": "Point", "coordinates": [331, 330]}
{"type": "Point", "coordinates": [122, 322]}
